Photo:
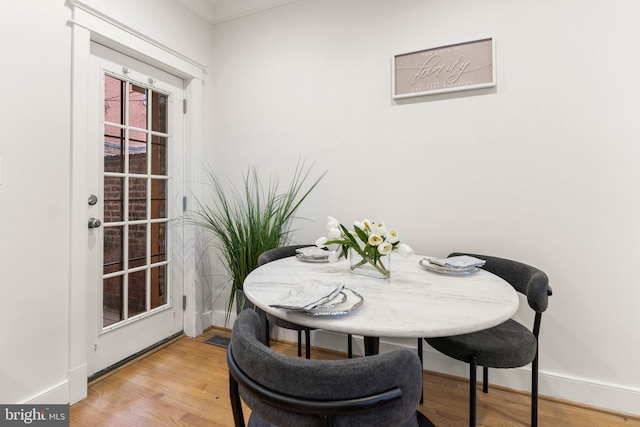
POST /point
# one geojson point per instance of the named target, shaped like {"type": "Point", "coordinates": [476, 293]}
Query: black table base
{"type": "Point", "coordinates": [423, 421]}
{"type": "Point", "coordinates": [371, 348]}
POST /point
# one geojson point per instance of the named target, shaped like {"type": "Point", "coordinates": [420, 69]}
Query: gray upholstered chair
{"type": "Point", "coordinates": [371, 391]}
{"type": "Point", "coordinates": [508, 345]}
{"type": "Point", "coordinates": [272, 255]}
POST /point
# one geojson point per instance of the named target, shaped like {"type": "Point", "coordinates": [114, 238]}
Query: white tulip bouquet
{"type": "Point", "coordinates": [371, 241]}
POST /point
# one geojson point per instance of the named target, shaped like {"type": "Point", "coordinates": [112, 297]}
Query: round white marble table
{"type": "Point", "coordinates": [413, 303]}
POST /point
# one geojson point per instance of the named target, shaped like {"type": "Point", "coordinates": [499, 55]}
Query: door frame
{"type": "Point", "coordinates": [89, 24]}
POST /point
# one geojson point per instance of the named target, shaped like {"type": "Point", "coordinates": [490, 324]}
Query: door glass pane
{"type": "Point", "coordinates": [137, 245]}
{"type": "Point", "coordinates": [159, 155]}
{"type": "Point", "coordinates": [137, 198]}
{"type": "Point", "coordinates": [135, 194]}
{"type": "Point", "coordinates": [137, 152]}
{"type": "Point", "coordinates": [113, 249]}
{"type": "Point", "coordinates": [137, 293]}
{"type": "Point", "coordinates": [158, 242]}
{"type": "Point", "coordinates": [113, 95]}
{"type": "Point", "coordinates": [158, 198]}
{"type": "Point", "coordinates": [158, 286]}
{"type": "Point", "coordinates": [113, 199]}
{"type": "Point", "coordinates": [159, 112]}
{"type": "Point", "coordinates": [137, 106]}
{"type": "Point", "coordinates": [112, 301]}
{"type": "Point", "coordinates": [113, 149]}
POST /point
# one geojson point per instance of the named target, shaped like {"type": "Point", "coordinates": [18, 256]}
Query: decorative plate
{"type": "Point", "coordinates": [446, 270]}
{"type": "Point", "coordinates": [352, 301]}
{"type": "Point", "coordinates": [312, 258]}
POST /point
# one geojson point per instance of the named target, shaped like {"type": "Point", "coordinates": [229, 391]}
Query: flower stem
{"type": "Point", "coordinates": [366, 259]}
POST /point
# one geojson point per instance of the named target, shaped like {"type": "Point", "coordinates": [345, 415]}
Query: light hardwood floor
{"type": "Point", "coordinates": [186, 384]}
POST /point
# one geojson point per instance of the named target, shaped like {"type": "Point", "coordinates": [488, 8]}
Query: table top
{"type": "Point", "coordinates": [413, 303]}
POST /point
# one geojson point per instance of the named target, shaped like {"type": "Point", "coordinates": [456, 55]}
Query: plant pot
{"type": "Point", "coordinates": [243, 303]}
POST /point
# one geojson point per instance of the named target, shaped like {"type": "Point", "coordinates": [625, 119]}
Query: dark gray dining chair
{"type": "Point", "coordinates": [371, 391]}
{"type": "Point", "coordinates": [272, 255]}
{"type": "Point", "coordinates": [508, 345]}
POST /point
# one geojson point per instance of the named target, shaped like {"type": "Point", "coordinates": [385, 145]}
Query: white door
{"type": "Point", "coordinates": [135, 180]}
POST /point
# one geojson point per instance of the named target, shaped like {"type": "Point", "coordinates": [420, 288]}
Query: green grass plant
{"type": "Point", "coordinates": [250, 220]}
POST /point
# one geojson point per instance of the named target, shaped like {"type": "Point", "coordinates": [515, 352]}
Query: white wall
{"type": "Point", "coordinates": [34, 199]}
{"type": "Point", "coordinates": [550, 154]}
{"type": "Point", "coordinates": [545, 167]}
{"type": "Point", "coordinates": [35, 189]}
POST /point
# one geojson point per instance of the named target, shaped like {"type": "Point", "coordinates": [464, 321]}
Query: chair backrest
{"type": "Point", "coordinates": [277, 253]}
{"type": "Point", "coordinates": [382, 390]}
{"type": "Point", "coordinates": [529, 281]}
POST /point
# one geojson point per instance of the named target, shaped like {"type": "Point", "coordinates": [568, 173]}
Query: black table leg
{"type": "Point", "coordinates": [371, 346]}
{"type": "Point", "coordinates": [423, 421]}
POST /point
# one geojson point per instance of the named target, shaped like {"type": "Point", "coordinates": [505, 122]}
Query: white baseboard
{"type": "Point", "coordinates": [77, 383]}
{"type": "Point", "coordinates": [609, 397]}
{"type": "Point", "coordinates": [204, 320]}
{"type": "Point", "coordinates": [585, 391]}
{"type": "Point", "coordinates": [218, 319]}
{"type": "Point", "coordinates": [56, 394]}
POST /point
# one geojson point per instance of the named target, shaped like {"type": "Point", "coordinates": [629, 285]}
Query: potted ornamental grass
{"type": "Point", "coordinates": [248, 220]}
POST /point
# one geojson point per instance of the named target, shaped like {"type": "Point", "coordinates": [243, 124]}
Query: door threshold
{"type": "Point", "coordinates": [134, 357]}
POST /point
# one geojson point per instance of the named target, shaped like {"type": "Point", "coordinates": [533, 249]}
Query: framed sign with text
{"type": "Point", "coordinates": [450, 68]}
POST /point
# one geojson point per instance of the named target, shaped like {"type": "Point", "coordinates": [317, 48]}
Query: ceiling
{"type": "Point", "coordinates": [216, 11]}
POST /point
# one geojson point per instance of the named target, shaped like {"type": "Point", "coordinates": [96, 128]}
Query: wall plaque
{"type": "Point", "coordinates": [449, 68]}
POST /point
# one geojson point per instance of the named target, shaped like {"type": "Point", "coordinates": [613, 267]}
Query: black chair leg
{"type": "Point", "coordinates": [421, 366]}
{"type": "Point", "coordinates": [534, 392]}
{"type": "Point", "coordinates": [236, 405]}
{"type": "Point", "coordinates": [307, 334]}
{"type": "Point", "coordinates": [485, 379]}
{"type": "Point", "coordinates": [267, 333]}
{"type": "Point", "coordinates": [299, 343]}
{"type": "Point", "coordinates": [472, 392]}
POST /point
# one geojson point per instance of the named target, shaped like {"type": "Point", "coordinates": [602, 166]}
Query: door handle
{"type": "Point", "coordinates": [94, 223]}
